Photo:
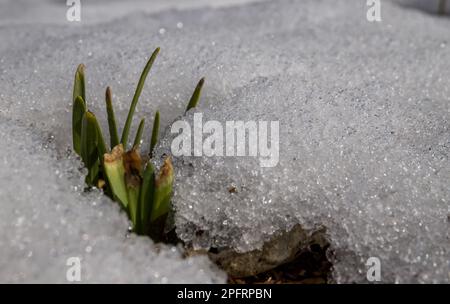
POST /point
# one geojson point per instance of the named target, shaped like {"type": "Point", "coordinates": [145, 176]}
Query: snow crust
{"type": "Point", "coordinates": [364, 135]}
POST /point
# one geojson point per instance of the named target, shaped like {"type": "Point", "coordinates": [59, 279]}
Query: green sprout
{"type": "Point", "coordinates": [125, 176]}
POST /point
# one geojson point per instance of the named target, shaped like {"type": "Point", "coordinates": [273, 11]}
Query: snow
{"type": "Point", "coordinates": [364, 134]}
{"type": "Point", "coordinates": [363, 113]}
{"type": "Point", "coordinates": [47, 219]}
{"type": "Point", "coordinates": [96, 11]}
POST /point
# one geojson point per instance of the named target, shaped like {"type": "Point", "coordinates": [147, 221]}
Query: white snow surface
{"type": "Point", "coordinates": [364, 135]}
{"type": "Point", "coordinates": [46, 219]}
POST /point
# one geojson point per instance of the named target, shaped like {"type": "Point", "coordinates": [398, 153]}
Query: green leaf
{"type": "Point", "coordinates": [133, 180]}
{"type": "Point", "coordinates": [126, 129]}
{"type": "Point", "coordinates": [113, 134]}
{"type": "Point", "coordinates": [140, 130]}
{"type": "Point", "coordinates": [196, 95]}
{"type": "Point", "coordinates": [89, 147]}
{"type": "Point", "coordinates": [163, 191]}
{"type": "Point", "coordinates": [78, 86]}
{"type": "Point", "coordinates": [146, 197]}
{"type": "Point", "coordinates": [78, 110]}
{"type": "Point", "coordinates": [155, 132]}
{"type": "Point", "coordinates": [133, 202]}
{"type": "Point", "coordinates": [115, 172]}
{"type": "Point", "coordinates": [101, 146]}
{"type": "Point", "coordinates": [101, 150]}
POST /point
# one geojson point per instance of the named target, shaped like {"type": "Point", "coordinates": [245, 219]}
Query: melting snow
{"type": "Point", "coordinates": [364, 136]}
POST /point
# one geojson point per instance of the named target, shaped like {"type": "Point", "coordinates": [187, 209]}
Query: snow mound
{"type": "Point", "coordinates": [364, 139]}
{"type": "Point", "coordinates": [47, 219]}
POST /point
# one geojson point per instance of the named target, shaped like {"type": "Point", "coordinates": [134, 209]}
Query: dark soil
{"type": "Point", "coordinates": [309, 267]}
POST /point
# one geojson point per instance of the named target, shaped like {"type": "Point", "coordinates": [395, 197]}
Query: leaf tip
{"type": "Point", "coordinates": [108, 94]}
{"type": "Point", "coordinates": [166, 172]}
{"type": "Point", "coordinates": [116, 154]}
{"type": "Point", "coordinates": [80, 69]}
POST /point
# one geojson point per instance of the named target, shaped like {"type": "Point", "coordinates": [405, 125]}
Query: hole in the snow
{"type": "Point", "coordinates": [308, 267]}
{"type": "Point", "coordinates": [296, 256]}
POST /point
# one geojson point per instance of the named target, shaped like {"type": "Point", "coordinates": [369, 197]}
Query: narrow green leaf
{"type": "Point", "coordinates": [133, 202]}
{"type": "Point", "coordinates": [101, 146]}
{"type": "Point", "coordinates": [79, 86]}
{"type": "Point", "coordinates": [196, 95]}
{"type": "Point", "coordinates": [113, 134]}
{"type": "Point", "coordinates": [139, 87]}
{"type": "Point", "coordinates": [140, 130]}
{"type": "Point", "coordinates": [163, 191]}
{"type": "Point", "coordinates": [89, 147]}
{"type": "Point", "coordinates": [155, 133]}
{"type": "Point", "coordinates": [146, 197]}
{"type": "Point", "coordinates": [78, 110]}
{"type": "Point", "coordinates": [115, 172]}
